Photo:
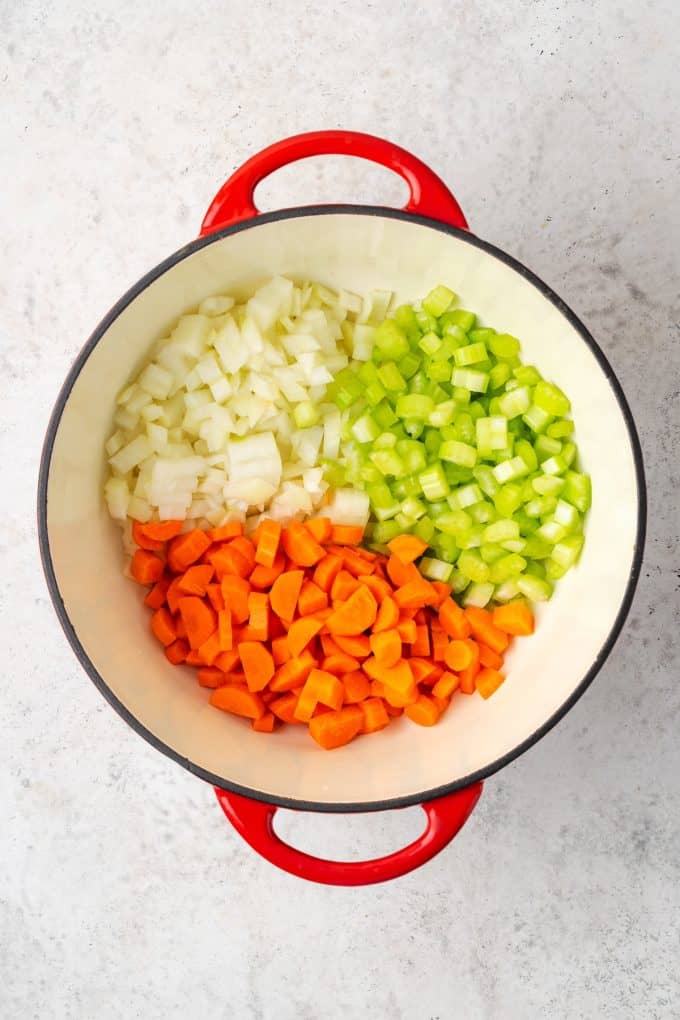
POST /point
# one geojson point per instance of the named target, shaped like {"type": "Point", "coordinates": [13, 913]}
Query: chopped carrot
{"type": "Point", "coordinates": [407, 631]}
{"type": "Point", "coordinates": [487, 681]}
{"type": "Point", "coordinates": [333, 729]}
{"type": "Point", "coordinates": [284, 707]}
{"type": "Point", "coordinates": [245, 547]}
{"type": "Point", "coordinates": [388, 615]}
{"type": "Point", "coordinates": [200, 620]}
{"type": "Point", "coordinates": [487, 656]}
{"type": "Point", "coordinates": [446, 685]}
{"type": "Point", "coordinates": [467, 679]}
{"type": "Point", "coordinates": [401, 573]}
{"type": "Point", "coordinates": [161, 531]}
{"type": "Point", "coordinates": [340, 664]}
{"type": "Point", "coordinates": [233, 529]}
{"type": "Point", "coordinates": [378, 585]}
{"type": "Point", "coordinates": [264, 577]}
{"type": "Point", "coordinates": [224, 632]}
{"type": "Point", "coordinates": [177, 652]}
{"type": "Point", "coordinates": [453, 620]}
{"type": "Point", "coordinates": [358, 646]}
{"type": "Point", "coordinates": [399, 677]}
{"type": "Point", "coordinates": [357, 686]}
{"type": "Point", "coordinates": [280, 650]}
{"type": "Point", "coordinates": [356, 615]}
{"type": "Point", "coordinates": [422, 670]}
{"type": "Point", "coordinates": [142, 540]}
{"type": "Point", "coordinates": [326, 571]}
{"type": "Point", "coordinates": [258, 615]}
{"type": "Point", "coordinates": [238, 700]}
{"type": "Point", "coordinates": [174, 594]}
{"type": "Point", "coordinates": [210, 649]}
{"type": "Point", "coordinates": [285, 592]}
{"type": "Point", "coordinates": [214, 593]}
{"type": "Point", "coordinates": [514, 618]}
{"type": "Point", "coordinates": [386, 647]}
{"type": "Point", "coordinates": [481, 622]}
{"type": "Point", "coordinates": [235, 592]}
{"type": "Point", "coordinates": [320, 529]}
{"type": "Point", "coordinates": [344, 585]}
{"type": "Point", "coordinates": [440, 642]}
{"type": "Point", "coordinates": [265, 724]}
{"type": "Point", "coordinates": [293, 673]}
{"type": "Point", "coordinates": [227, 561]}
{"type": "Point", "coordinates": [459, 655]}
{"type": "Point", "coordinates": [258, 664]}
{"type": "Point", "coordinates": [415, 594]}
{"type": "Point", "coordinates": [330, 645]}
{"type": "Point", "coordinates": [400, 699]}
{"type": "Point", "coordinates": [393, 711]}
{"type": "Point", "coordinates": [356, 565]}
{"type": "Point", "coordinates": [375, 715]}
{"type": "Point", "coordinates": [311, 599]}
{"type": "Point", "coordinates": [423, 711]}
{"type": "Point", "coordinates": [193, 658]}
{"type": "Point", "coordinates": [320, 687]}
{"type": "Point", "coordinates": [226, 661]}
{"type": "Point", "coordinates": [421, 645]}
{"type": "Point", "coordinates": [301, 633]}
{"type": "Point", "coordinates": [195, 580]}
{"type": "Point", "coordinates": [157, 596]}
{"type": "Point", "coordinates": [185, 549]}
{"type": "Point", "coordinates": [163, 627]}
{"type": "Point", "coordinates": [444, 591]}
{"type": "Point", "coordinates": [268, 538]}
{"type": "Point", "coordinates": [407, 548]}
{"type": "Point", "coordinates": [346, 534]}
{"type": "Point", "coordinates": [211, 677]}
{"type": "Point", "coordinates": [146, 568]}
{"type": "Point", "coordinates": [300, 546]}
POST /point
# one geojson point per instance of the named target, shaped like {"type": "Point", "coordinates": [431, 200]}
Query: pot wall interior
{"type": "Point", "coordinates": [358, 252]}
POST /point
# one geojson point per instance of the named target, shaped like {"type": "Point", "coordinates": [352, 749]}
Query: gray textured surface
{"type": "Point", "coordinates": [123, 892]}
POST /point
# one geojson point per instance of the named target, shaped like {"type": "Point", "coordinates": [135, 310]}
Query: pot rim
{"type": "Point", "coordinates": [43, 536]}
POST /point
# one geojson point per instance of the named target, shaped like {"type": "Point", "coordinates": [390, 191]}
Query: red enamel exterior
{"type": "Point", "coordinates": [233, 203]}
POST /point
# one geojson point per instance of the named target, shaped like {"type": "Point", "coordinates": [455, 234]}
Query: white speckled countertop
{"type": "Point", "coordinates": [123, 892]}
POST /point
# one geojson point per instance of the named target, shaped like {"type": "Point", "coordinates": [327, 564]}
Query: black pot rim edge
{"type": "Point", "coordinates": [88, 666]}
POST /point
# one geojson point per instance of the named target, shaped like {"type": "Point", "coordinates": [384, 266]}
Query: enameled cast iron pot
{"type": "Point", "coordinates": [358, 248]}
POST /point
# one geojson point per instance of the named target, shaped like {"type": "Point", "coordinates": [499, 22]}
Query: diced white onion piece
{"type": "Point", "coordinates": [348, 506]}
{"type": "Point", "coordinates": [129, 456]}
{"type": "Point", "coordinates": [217, 305]}
{"type": "Point", "coordinates": [117, 497]}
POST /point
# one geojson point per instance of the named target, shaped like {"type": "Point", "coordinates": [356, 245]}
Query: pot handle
{"type": "Point", "coordinates": [429, 196]}
{"type": "Point", "coordinates": [254, 821]}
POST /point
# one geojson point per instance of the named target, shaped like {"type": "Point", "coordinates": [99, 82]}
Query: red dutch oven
{"type": "Point", "coordinates": [358, 248]}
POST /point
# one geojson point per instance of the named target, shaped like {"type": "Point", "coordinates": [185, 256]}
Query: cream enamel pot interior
{"type": "Point", "coordinates": [357, 248]}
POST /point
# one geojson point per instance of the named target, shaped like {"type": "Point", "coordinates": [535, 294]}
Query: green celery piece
{"type": "Point", "coordinates": [509, 470]}
{"type": "Point", "coordinates": [409, 365]}
{"type": "Point", "coordinates": [381, 497]}
{"type": "Point", "coordinates": [469, 379]}
{"type": "Point", "coordinates": [473, 566]}
{"type": "Point", "coordinates": [551, 399]}
{"type": "Point", "coordinates": [433, 482]}
{"type": "Point", "coordinates": [560, 429]}
{"type": "Point", "coordinates": [471, 354]}
{"type": "Point", "coordinates": [464, 428]}
{"type": "Point", "coordinates": [536, 418]}
{"type": "Point", "coordinates": [567, 551]}
{"type": "Point", "coordinates": [413, 508]}
{"type": "Point", "coordinates": [385, 441]}
{"type": "Point", "coordinates": [384, 531]}
{"type": "Point", "coordinates": [499, 375]}
{"type": "Point", "coordinates": [537, 549]}
{"type": "Point", "coordinates": [546, 447]}
{"type": "Point", "coordinates": [413, 454]}
{"type": "Point", "coordinates": [508, 566]}
{"type": "Point", "coordinates": [449, 326]}
{"type": "Point", "coordinates": [506, 592]}
{"type": "Point", "coordinates": [478, 595]}
{"type": "Point", "coordinates": [554, 465]}
{"type": "Point", "coordinates": [485, 479]}
{"type": "Point", "coordinates": [426, 323]}
{"type": "Point", "coordinates": [347, 388]}
{"type": "Point", "coordinates": [438, 392]}
{"type": "Point", "coordinates": [552, 532]}
{"type": "Point", "coordinates": [465, 496]}
{"type": "Point", "coordinates": [391, 378]}
{"type": "Point", "coordinates": [438, 301]}
{"type": "Point", "coordinates": [414, 405]}
{"type": "Point", "coordinates": [481, 334]}
{"type": "Point", "coordinates": [391, 340]}
{"type": "Point", "coordinates": [445, 547]}
{"type": "Point", "coordinates": [566, 514]}
{"type": "Point", "coordinates": [457, 475]}
{"type": "Point", "coordinates": [419, 383]}
{"type": "Point", "coordinates": [403, 521]}
{"type": "Point", "coordinates": [527, 375]}
{"type": "Point", "coordinates": [365, 429]}
{"type": "Point", "coordinates": [577, 490]}
{"type": "Point", "coordinates": [461, 317]}
{"type": "Point", "coordinates": [534, 588]}
{"type": "Point", "coordinates": [501, 530]}
{"type": "Point", "coordinates": [430, 343]}
{"type": "Point", "coordinates": [438, 371]}
{"type": "Point", "coordinates": [554, 570]}
{"type": "Point", "coordinates": [405, 318]}
{"type": "Point", "coordinates": [367, 372]}
{"type": "Point", "coordinates": [490, 552]}
{"type": "Point", "coordinates": [476, 409]}
{"type": "Point", "coordinates": [491, 434]}
{"type": "Point", "coordinates": [526, 451]}
{"type": "Point", "coordinates": [458, 453]}
{"type": "Point", "coordinates": [384, 415]}
{"type": "Point", "coordinates": [458, 581]}
{"type": "Point", "coordinates": [503, 345]}
{"type": "Point", "coordinates": [443, 414]}
{"type": "Point", "coordinates": [413, 427]}
{"type": "Point", "coordinates": [461, 395]}
{"type": "Point", "coordinates": [424, 529]}
{"type": "Point", "coordinates": [535, 568]}
{"type": "Point", "coordinates": [507, 499]}
{"type": "Point", "coordinates": [432, 440]}
{"type": "Point", "coordinates": [482, 512]}
{"type": "Point", "coordinates": [568, 453]}
{"type": "Point", "coordinates": [547, 485]}
{"type": "Point", "coordinates": [388, 462]}
{"type": "Point", "coordinates": [514, 402]}
{"type": "Point", "coordinates": [542, 506]}
{"type": "Point", "coordinates": [375, 392]}
{"type": "Point", "coordinates": [435, 570]}
{"type": "Point", "coordinates": [453, 522]}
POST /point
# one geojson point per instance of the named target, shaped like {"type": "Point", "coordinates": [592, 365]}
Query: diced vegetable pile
{"type": "Point", "coordinates": [302, 625]}
{"type": "Point", "coordinates": [309, 484]}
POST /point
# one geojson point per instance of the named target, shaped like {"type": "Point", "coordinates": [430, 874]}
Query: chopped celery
{"type": "Point", "coordinates": [443, 414]}
{"type": "Point", "coordinates": [560, 429]}
{"type": "Point", "coordinates": [424, 529]}
{"type": "Point", "coordinates": [514, 402]}
{"type": "Point", "coordinates": [503, 345]}
{"type": "Point", "coordinates": [508, 566]}
{"type": "Point", "coordinates": [527, 375]}
{"type": "Point", "coordinates": [478, 594]}
{"type": "Point", "coordinates": [390, 376]}
{"type": "Point", "coordinates": [499, 375]}
{"type": "Point", "coordinates": [577, 490]}
{"type": "Point", "coordinates": [554, 465]}
{"type": "Point", "coordinates": [536, 589]}
{"type": "Point", "coordinates": [458, 453]}
{"type": "Point", "coordinates": [536, 418]}
{"type": "Point", "coordinates": [469, 379]}
{"type": "Point", "coordinates": [526, 451]}
{"type": "Point", "coordinates": [375, 392]}
{"type": "Point", "coordinates": [455, 522]}
{"type": "Point", "coordinates": [433, 482]}
{"type": "Point", "coordinates": [430, 343]}
{"type": "Point", "coordinates": [458, 581]}
{"type": "Point", "coordinates": [509, 470]}
{"type": "Point", "coordinates": [567, 551]}
{"type": "Point", "coordinates": [547, 485]}
{"type": "Point", "coordinates": [435, 570]}
{"type": "Point", "coordinates": [462, 318]}
{"type": "Point", "coordinates": [492, 434]}
{"type": "Point", "coordinates": [501, 531]}
{"type": "Point", "coordinates": [465, 496]}
{"type": "Point", "coordinates": [426, 323]}
{"type": "Point", "coordinates": [471, 354]}
{"type": "Point", "coordinates": [413, 427]}
{"type": "Point", "coordinates": [388, 462]}
{"type": "Point", "coordinates": [507, 499]}
{"type": "Point", "coordinates": [365, 429]}
{"type": "Point", "coordinates": [551, 399]}
{"type": "Point", "coordinates": [473, 566]}
{"type": "Point", "coordinates": [546, 447]}
{"type": "Point", "coordinates": [408, 365]}
{"type": "Point", "coordinates": [413, 454]}
{"type": "Point", "coordinates": [391, 340]}
{"type": "Point", "coordinates": [438, 301]}
{"type": "Point", "coordinates": [414, 405]}
{"type": "Point", "coordinates": [384, 415]}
